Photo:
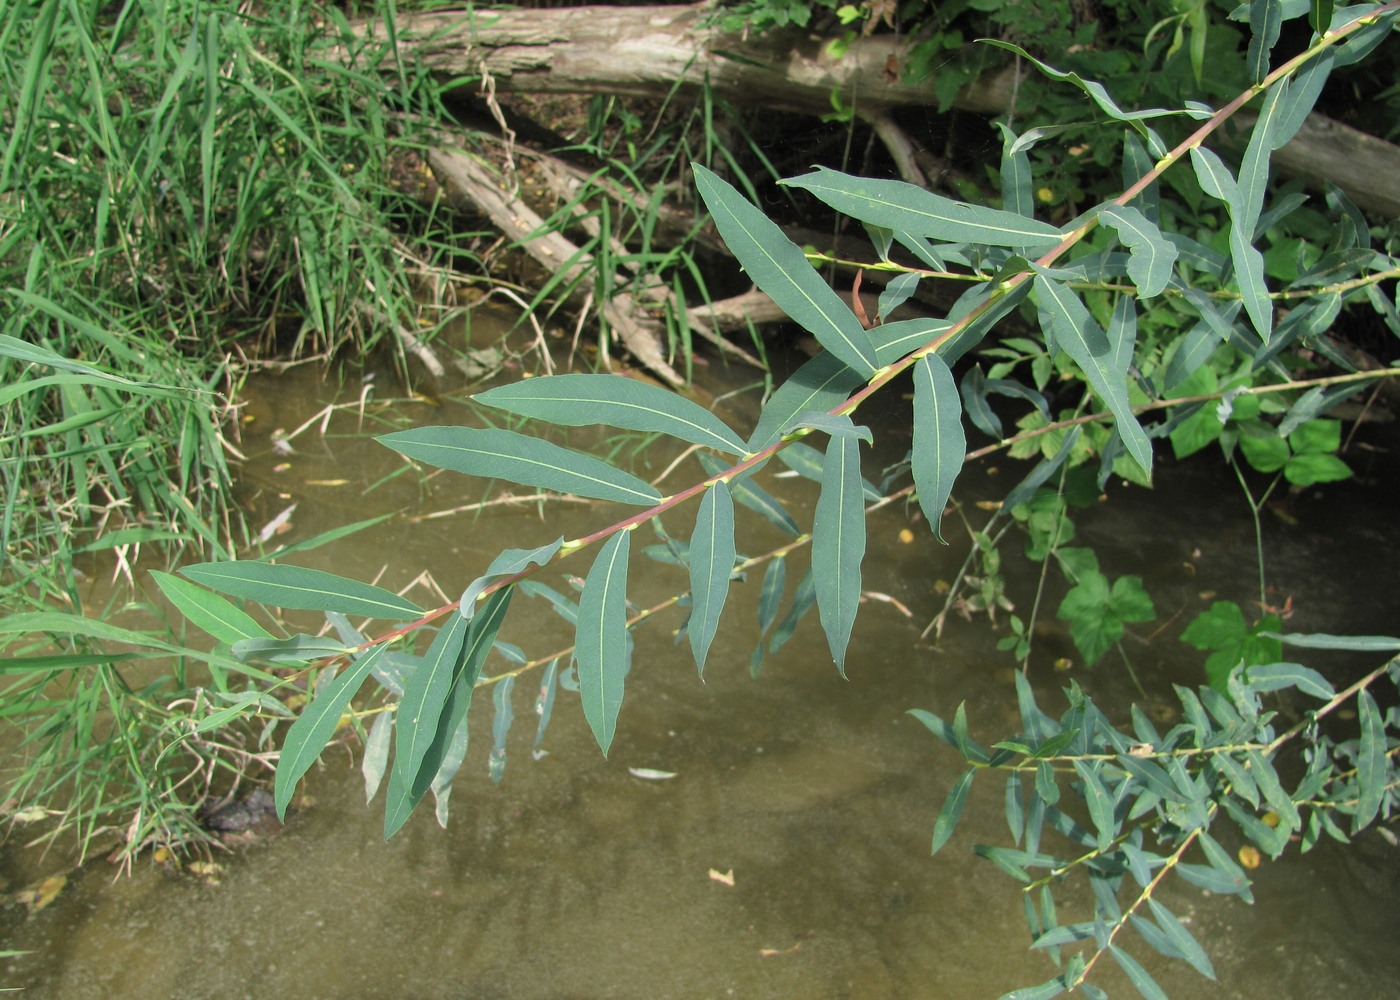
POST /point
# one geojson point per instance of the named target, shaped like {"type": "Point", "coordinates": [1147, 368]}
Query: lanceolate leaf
{"type": "Point", "coordinates": [297, 649]}
{"type": "Point", "coordinates": [780, 268]}
{"type": "Point", "coordinates": [602, 647]}
{"type": "Point", "coordinates": [838, 545]}
{"type": "Point", "coordinates": [906, 208]}
{"type": "Point", "coordinates": [951, 812]}
{"type": "Point", "coordinates": [1150, 265]}
{"type": "Point", "coordinates": [506, 564]}
{"type": "Point", "coordinates": [753, 496]}
{"type": "Point", "coordinates": [503, 716]}
{"type": "Point", "coordinates": [419, 712]}
{"type": "Point", "coordinates": [209, 612]}
{"type": "Point", "coordinates": [1249, 272]}
{"type": "Point", "coordinates": [500, 454]}
{"type": "Point", "coordinates": [939, 442]}
{"type": "Point", "coordinates": [1371, 768]}
{"type": "Point", "coordinates": [577, 400]}
{"type": "Point", "coordinates": [301, 588]}
{"type": "Point", "coordinates": [819, 385]}
{"type": "Point", "coordinates": [802, 601]}
{"type": "Point", "coordinates": [833, 424]}
{"type": "Point", "coordinates": [1265, 22]}
{"type": "Point", "coordinates": [1079, 336]}
{"type": "Point", "coordinates": [711, 562]}
{"type": "Point", "coordinates": [316, 725]}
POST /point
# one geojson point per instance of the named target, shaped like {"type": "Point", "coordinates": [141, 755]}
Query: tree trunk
{"type": "Point", "coordinates": [648, 51]}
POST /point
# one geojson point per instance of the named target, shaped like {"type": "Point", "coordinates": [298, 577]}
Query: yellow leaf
{"type": "Point", "coordinates": [906, 536]}
{"type": "Point", "coordinates": [39, 896]}
{"type": "Point", "coordinates": [1249, 856]}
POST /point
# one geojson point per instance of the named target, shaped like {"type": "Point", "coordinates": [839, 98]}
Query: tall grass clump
{"type": "Point", "coordinates": [183, 187]}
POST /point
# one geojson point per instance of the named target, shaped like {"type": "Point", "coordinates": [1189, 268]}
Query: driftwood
{"type": "Point", "coordinates": [648, 51]}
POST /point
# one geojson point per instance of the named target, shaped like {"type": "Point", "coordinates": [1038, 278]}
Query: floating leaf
{"type": "Point", "coordinates": [1079, 336]}
{"type": "Point", "coordinates": [778, 267]}
{"type": "Point", "coordinates": [603, 649]}
{"type": "Point", "coordinates": [940, 445]}
{"type": "Point", "coordinates": [838, 545]}
{"type": "Point", "coordinates": [578, 400]}
{"type": "Point", "coordinates": [1152, 257]}
{"type": "Point", "coordinates": [908, 209]}
{"type": "Point", "coordinates": [209, 612]}
{"type": "Point", "coordinates": [711, 563]}
{"type": "Point", "coordinates": [317, 723]}
{"type": "Point", "coordinates": [499, 454]}
{"type": "Point", "coordinates": [301, 588]}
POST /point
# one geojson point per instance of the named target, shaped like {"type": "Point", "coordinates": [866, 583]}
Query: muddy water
{"type": "Point", "coordinates": [816, 795]}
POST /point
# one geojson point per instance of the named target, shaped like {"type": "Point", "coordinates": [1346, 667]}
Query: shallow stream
{"type": "Point", "coordinates": [814, 795]}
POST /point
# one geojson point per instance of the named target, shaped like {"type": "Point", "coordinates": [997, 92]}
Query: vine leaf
{"type": "Point", "coordinates": [420, 709]}
{"type": "Point", "coordinates": [838, 544]}
{"type": "Point", "coordinates": [711, 562]}
{"type": "Point", "coordinates": [314, 728]}
{"type": "Point", "coordinates": [603, 648]}
{"type": "Point", "coordinates": [1078, 335]}
{"type": "Point", "coordinates": [499, 454]}
{"type": "Point", "coordinates": [1151, 256]}
{"type": "Point", "coordinates": [939, 442]}
{"type": "Point", "coordinates": [578, 400]}
{"type": "Point", "coordinates": [908, 209]}
{"type": "Point", "coordinates": [209, 612]}
{"type": "Point", "coordinates": [301, 588]}
{"type": "Point", "coordinates": [779, 267]}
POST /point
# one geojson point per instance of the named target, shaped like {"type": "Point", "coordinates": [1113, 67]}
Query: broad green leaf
{"type": "Point", "coordinates": [1320, 15]}
{"type": "Point", "coordinates": [838, 545]}
{"type": "Point", "coordinates": [603, 649]}
{"type": "Point", "coordinates": [209, 612]}
{"type": "Point", "coordinates": [711, 562]}
{"type": "Point", "coordinates": [297, 649]}
{"type": "Point", "coordinates": [1371, 770]}
{"type": "Point", "coordinates": [1078, 335]}
{"type": "Point", "coordinates": [751, 495]}
{"type": "Point", "coordinates": [909, 209]}
{"type": "Point", "coordinates": [419, 712]}
{"type": "Point", "coordinates": [317, 723]}
{"type": "Point", "coordinates": [940, 445]}
{"type": "Point", "coordinates": [499, 454]}
{"type": "Point", "coordinates": [1152, 257]}
{"type": "Point", "coordinates": [508, 563]}
{"type": "Point", "coordinates": [301, 588]}
{"type": "Point", "coordinates": [951, 812]}
{"type": "Point", "coordinates": [578, 400]}
{"type": "Point", "coordinates": [831, 424]}
{"type": "Point", "coordinates": [777, 266]}
{"type": "Point", "coordinates": [820, 385]}
{"type": "Point", "coordinates": [502, 717]}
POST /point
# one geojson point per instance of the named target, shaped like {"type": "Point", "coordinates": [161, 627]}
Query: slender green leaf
{"type": "Point", "coordinates": [951, 812]}
{"type": "Point", "coordinates": [301, 588]}
{"type": "Point", "coordinates": [420, 709]}
{"type": "Point", "coordinates": [1079, 336]}
{"type": "Point", "coordinates": [1223, 864]}
{"type": "Point", "coordinates": [1137, 975]}
{"type": "Point", "coordinates": [779, 267]}
{"type": "Point", "coordinates": [1356, 643]}
{"type": "Point", "coordinates": [1152, 777]}
{"type": "Point", "coordinates": [711, 563]}
{"type": "Point", "coordinates": [454, 753]}
{"type": "Point", "coordinates": [838, 545]}
{"type": "Point", "coordinates": [1186, 946]}
{"type": "Point", "coordinates": [376, 760]}
{"type": "Point", "coordinates": [1265, 23]}
{"type": "Point", "coordinates": [544, 703]}
{"type": "Point", "coordinates": [1371, 770]}
{"type": "Point", "coordinates": [297, 649]}
{"type": "Point", "coordinates": [1249, 273]}
{"type": "Point", "coordinates": [820, 385]}
{"type": "Point", "coordinates": [209, 612]}
{"type": "Point", "coordinates": [603, 646]}
{"type": "Point", "coordinates": [940, 446]}
{"type": "Point", "coordinates": [326, 537]}
{"type": "Point", "coordinates": [1098, 800]}
{"type": "Point", "coordinates": [802, 601]}
{"type": "Point", "coordinates": [909, 209]}
{"type": "Point", "coordinates": [748, 493]}
{"type": "Point", "coordinates": [831, 424]}
{"type": "Point", "coordinates": [1277, 676]}
{"type": "Point", "coordinates": [1016, 194]}
{"type": "Point", "coordinates": [499, 454]}
{"type": "Point", "coordinates": [1152, 257]}
{"type": "Point", "coordinates": [317, 723]}
{"type": "Point", "coordinates": [806, 461]}
{"type": "Point", "coordinates": [502, 717]}
{"type": "Point", "coordinates": [578, 400]}
{"type": "Point", "coordinates": [508, 563]}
